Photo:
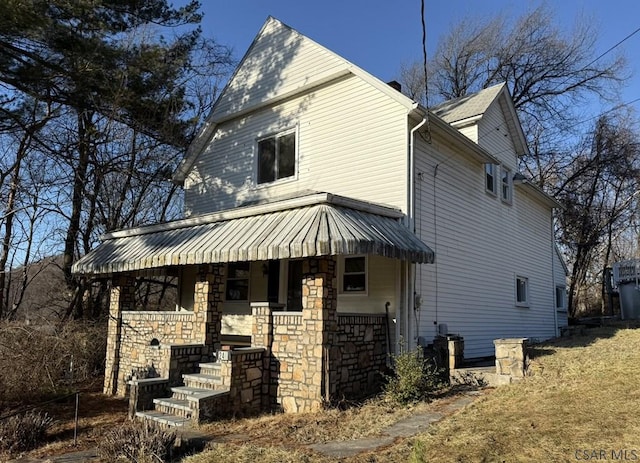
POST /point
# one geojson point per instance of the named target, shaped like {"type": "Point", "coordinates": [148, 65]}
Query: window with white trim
{"type": "Point", "coordinates": [237, 281]}
{"type": "Point", "coordinates": [354, 274]}
{"type": "Point", "coordinates": [561, 297]}
{"type": "Point", "coordinates": [522, 291]}
{"type": "Point", "coordinates": [277, 157]}
{"type": "Point", "coordinates": [506, 185]}
{"type": "Point", "coordinates": [490, 178]}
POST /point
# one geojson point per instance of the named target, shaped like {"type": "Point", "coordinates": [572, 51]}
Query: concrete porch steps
{"type": "Point", "coordinates": [183, 408]}
{"type": "Point", "coordinates": [202, 381]}
{"type": "Point", "coordinates": [164, 419]}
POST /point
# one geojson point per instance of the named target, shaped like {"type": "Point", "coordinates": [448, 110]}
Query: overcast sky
{"type": "Point", "coordinates": [379, 35]}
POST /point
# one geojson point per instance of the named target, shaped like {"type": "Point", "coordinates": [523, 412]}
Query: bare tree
{"type": "Point", "coordinates": [599, 193]}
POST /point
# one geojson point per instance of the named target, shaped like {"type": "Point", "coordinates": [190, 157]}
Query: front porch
{"type": "Point", "coordinates": [307, 358]}
{"type": "Point", "coordinates": [288, 252]}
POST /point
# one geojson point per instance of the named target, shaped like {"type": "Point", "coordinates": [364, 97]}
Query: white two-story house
{"type": "Point", "coordinates": [328, 218]}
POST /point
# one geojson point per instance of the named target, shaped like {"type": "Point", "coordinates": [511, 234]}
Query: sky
{"type": "Point", "coordinates": [379, 36]}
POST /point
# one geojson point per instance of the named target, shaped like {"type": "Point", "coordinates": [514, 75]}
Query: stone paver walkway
{"type": "Point", "coordinates": [410, 426]}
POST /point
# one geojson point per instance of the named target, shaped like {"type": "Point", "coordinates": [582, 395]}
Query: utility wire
{"type": "Point", "coordinates": [424, 69]}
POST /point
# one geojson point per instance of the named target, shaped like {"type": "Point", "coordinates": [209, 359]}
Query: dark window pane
{"type": "Point", "coordinates": [489, 177]}
{"type": "Point", "coordinates": [287, 155]}
{"type": "Point", "coordinates": [294, 286]}
{"type": "Point", "coordinates": [354, 282]}
{"type": "Point", "coordinates": [238, 270]}
{"type": "Point", "coordinates": [237, 290]}
{"type": "Point", "coordinates": [266, 160]}
{"type": "Point", "coordinates": [354, 264]}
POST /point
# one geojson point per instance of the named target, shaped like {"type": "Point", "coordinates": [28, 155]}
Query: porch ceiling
{"type": "Point", "coordinates": [320, 229]}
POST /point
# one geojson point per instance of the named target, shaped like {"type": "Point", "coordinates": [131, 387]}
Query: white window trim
{"type": "Point", "coordinates": [509, 197]}
{"type": "Point", "coordinates": [256, 161]}
{"type": "Point", "coordinates": [527, 301]}
{"type": "Point", "coordinates": [341, 267]}
{"type": "Point", "coordinates": [563, 290]}
{"type": "Point", "coordinates": [494, 173]}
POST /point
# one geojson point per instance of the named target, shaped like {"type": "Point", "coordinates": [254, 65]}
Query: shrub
{"type": "Point", "coordinates": [36, 360]}
{"type": "Point", "coordinates": [24, 432]}
{"type": "Point", "coordinates": [414, 378]}
{"type": "Point", "coordinates": [137, 443]}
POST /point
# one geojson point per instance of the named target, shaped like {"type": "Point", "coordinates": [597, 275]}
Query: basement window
{"type": "Point", "coordinates": [277, 157]}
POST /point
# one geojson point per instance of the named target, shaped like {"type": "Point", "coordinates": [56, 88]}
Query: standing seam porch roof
{"type": "Point", "coordinates": [320, 229]}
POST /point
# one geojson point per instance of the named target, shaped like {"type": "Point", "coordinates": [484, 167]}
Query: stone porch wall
{"type": "Point", "coordinates": [351, 367]}
{"type": "Point", "coordinates": [242, 372]}
{"type": "Point", "coordinates": [140, 358]}
{"type": "Point", "coordinates": [130, 333]}
{"type": "Point", "coordinates": [359, 354]}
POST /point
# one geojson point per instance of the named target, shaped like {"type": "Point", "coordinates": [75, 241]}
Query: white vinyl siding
{"type": "Point", "coordinates": [278, 62]}
{"type": "Point", "coordinates": [381, 280]}
{"type": "Point", "coordinates": [351, 141]}
{"type": "Point", "coordinates": [480, 245]}
{"type": "Point", "coordinates": [494, 136]}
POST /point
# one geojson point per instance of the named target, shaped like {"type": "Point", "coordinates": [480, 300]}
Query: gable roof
{"type": "Point", "coordinates": [470, 109]}
{"type": "Point", "coordinates": [467, 107]}
{"type": "Point", "coordinates": [273, 69]}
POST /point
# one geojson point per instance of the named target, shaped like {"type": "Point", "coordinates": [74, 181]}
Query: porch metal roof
{"type": "Point", "coordinates": [321, 226]}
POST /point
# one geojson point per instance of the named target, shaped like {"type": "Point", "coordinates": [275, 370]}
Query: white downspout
{"type": "Point", "coordinates": [556, 329]}
{"type": "Point", "coordinates": [411, 330]}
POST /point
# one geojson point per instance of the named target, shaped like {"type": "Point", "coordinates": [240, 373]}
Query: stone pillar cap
{"type": "Point", "coordinates": [510, 340]}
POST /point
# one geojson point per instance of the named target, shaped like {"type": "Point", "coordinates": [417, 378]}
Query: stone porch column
{"type": "Point", "coordinates": [262, 336]}
{"type": "Point", "coordinates": [511, 359]}
{"type": "Point", "coordinates": [207, 306]}
{"type": "Point", "coordinates": [319, 321]}
{"type": "Point", "coordinates": [121, 298]}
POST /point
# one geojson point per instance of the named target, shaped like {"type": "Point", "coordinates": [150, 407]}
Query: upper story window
{"type": "Point", "coordinates": [490, 178]}
{"type": "Point", "coordinates": [507, 185]}
{"type": "Point", "coordinates": [277, 157]}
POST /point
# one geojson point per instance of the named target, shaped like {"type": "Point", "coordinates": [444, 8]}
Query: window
{"type": "Point", "coordinates": [294, 286]}
{"type": "Point", "coordinates": [507, 185]}
{"type": "Point", "coordinates": [490, 178]}
{"type": "Point", "coordinates": [354, 275]}
{"type": "Point", "coordinates": [561, 293]}
{"type": "Point", "coordinates": [237, 281]}
{"type": "Point", "coordinates": [276, 157]}
{"type": "Point", "coordinates": [522, 291]}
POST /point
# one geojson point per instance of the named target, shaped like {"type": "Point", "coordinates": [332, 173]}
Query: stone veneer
{"type": "Point", "coordinates": [511, 359]}
{"type": "Point", "coordinates": [359, 354]}
{"type": "Point", "coordinates": [242, 373]}
{"type": "Point", "coordinates": [298, 362]}
{"type": "Point", "coordinates": [316, 356]}
{"type": "Point", "coordinates": [143, 343]}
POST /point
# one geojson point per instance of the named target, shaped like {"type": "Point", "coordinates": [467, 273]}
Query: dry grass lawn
{"type": "Point", "coordinates": [584, 397]}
